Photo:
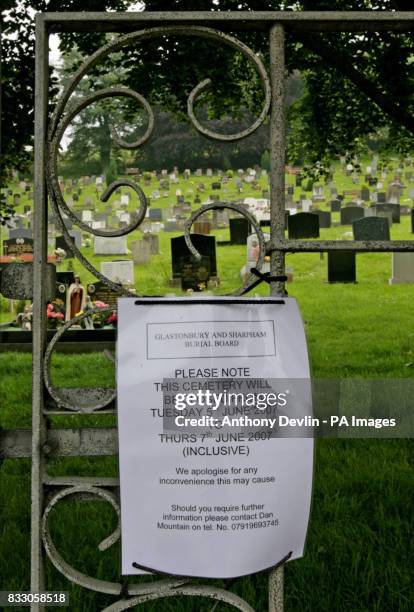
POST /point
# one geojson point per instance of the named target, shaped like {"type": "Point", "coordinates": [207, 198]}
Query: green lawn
{"type": "Point", "coordinates": [359, 553]}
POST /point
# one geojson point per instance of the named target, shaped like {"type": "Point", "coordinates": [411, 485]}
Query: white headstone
{"type": "Point", "coordinates": [141, 251]}
{"type": "Point", "coordinates": [119, 271]}
{"type": "Point", "coordinates": [110, 246]}
{"type": "Point", "coordinates": [402, 268]}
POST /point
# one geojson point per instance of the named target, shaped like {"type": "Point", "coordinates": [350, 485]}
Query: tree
{"type": "Point", "coordinates": [17, 75]}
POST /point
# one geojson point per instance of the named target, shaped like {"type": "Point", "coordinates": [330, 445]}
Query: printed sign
{"type": "Point", "coordinates": [209, 487]}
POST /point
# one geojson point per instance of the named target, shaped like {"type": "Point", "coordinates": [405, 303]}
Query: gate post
{"type": "Point", "coordinates": [39, 304]}
{"type": "Point", "coordinates": [277, 214]}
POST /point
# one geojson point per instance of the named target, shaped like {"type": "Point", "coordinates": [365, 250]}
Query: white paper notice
{"type": "Point", "coordinates": [222, 504]}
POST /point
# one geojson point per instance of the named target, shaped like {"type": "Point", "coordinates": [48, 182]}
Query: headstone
{"type": "Point", "coordinates": [154, 242]}
{"type": "Point", "coordinates": [170, 225]}
{"type": "Point", "coordinates": [324, 218]}
{"type": "Point", "coordinates": [202, 227]}
{"type": "Point", "coordinates": [402, 268]}
{"type": "Point", "coordinates": [365, 194]}
{"type": "Point", "coordinates": [216, 186]}
{"type": "Point", "coordinates": [341, 267]}
{"type": "Point", "coordinates": [121, 272]}
{"type": "Point", "coordinates": [99, 291]}
{"type": "Point", "coordinates": [335, 206]}
{"type": "Point", "coordinates": [349, 214]}
{"type": "Point", "coordinates": [110, 246]}
{"type": "Point", "coordinates": [317, 193]}
{"type": "Point", "coordinates": [371, 228]}
{"type": "Point", "coordinates": [16, 247]}
{"type": "Point", "coordinates": [141, 251]}
{"type": "Point", "coordinates": [60, 241]}
{"type": "Point", "coordinates": [205, 245]}
{"type": "Point", "coordinates": [239, 230]}
{"type": "Point", "coordinates": [87, 216]}
{"type": "Point", "coordinates": [195, 273]}
{"type": "Point", "coordinates": [155, 214]}
{"type": "Point", "coordinates": [394, 209]}
{"type": "Point", "coordinates": [303, 225]}
{"type": "Point", "coordinates": [381, 197]}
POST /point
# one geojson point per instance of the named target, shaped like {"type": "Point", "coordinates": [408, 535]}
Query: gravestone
{"type": "Point", "coordinates": [341, 267]}
{"type": "Point", "coordinates": [141, 251]}
{"type": "Point", "coordinates": [239, 230]}
{"type": "Point", "coordinates": [154, 242]}
{"type": "Point", "coordinates": [381, 197]}
{"type": "Point", "coordinates": [202, 227]}
{"type": "Point", "coordinates": [385, 214]}
{"type": "Point", "coordinates": [317, 193]}
{"type": "Point", "coordinates": [16, 247]}
{"type": "Point", "coordinates": [170, 225]}
{"type": "Point", "coordinates": [121, 271]}
{"type": "Point", "coordinates": [349, 214]}
{"type": "Point", "coordinates": [371, 228]}
{"type": "Point", "coordinates": [216, 186]}
{"type": "Point", "coordinates": [394, 209]}
{"type": "Point", "coordinates": [155, 214]}
{"type": "Point", "coordinates": [402, 269]}
{"type": "Point", "coordinates": [87, 216]}
{"type": "Point", "coordinates": [110, 246]}
{"type": "Point", "coordinates": [365, 194]}
{"type": "Point", "coordinates": [99, 291]}
{"type": "Point", "coordinates": [195, 273]}
{"type": "Point", "coordinates": [60, 241]}
{"type": "Point", "coordinates": [335, 206]}
{"type": "Point", "coordinates": [324, 218]}
{"type": "Point", "coordinates": [205, 245]}
{"type": "Point", "coordinates": [303, 225]}
{"type": "Point", "coordinates": [63, 282]}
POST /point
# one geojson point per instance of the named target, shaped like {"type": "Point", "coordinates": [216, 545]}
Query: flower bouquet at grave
{"type": "Point", "coordinates": [55, 313]}
{"type": "Point", "coordinates": [112, 319]}
{"type": "Point", "coordinates": [99, 319]}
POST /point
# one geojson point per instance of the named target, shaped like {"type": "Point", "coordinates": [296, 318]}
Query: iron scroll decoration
{"type": "Point", "coordinates": [135, 594]}
{"type": "Point", "coordinates": [62, 117]}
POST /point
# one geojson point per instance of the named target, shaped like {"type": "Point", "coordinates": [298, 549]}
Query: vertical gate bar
{"type": "Point", "coordinates": [277, 213]}
{"type": "Point", "coordinates": [277, 152]}
{"type": "Point", "coordinates": [39, 303]}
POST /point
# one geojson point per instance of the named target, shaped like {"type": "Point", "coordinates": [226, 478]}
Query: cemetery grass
{"type": "Point", "coordinates": [359, 549]}
{"type": "Point", "coordinates": [359, 554]}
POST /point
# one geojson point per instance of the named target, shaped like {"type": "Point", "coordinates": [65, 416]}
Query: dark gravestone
{"type": "Point", "coordinates": [324, 218]}
{"type": "Point", "coordinates": [336, 206]}
{"type": "Point", "coordinates": [341, 267]}
{"type": "Point", "coordinates": [239, 230]}
{"type": "Point", "coordinates": [63, 281]}
{"type": "Point", "coordinates": [303, 225]}
{"type": "Point", "coordinates": [16, 247]}
{"type": "Point", "coordinates": [349, 214]}
{"type": "Point", "coordinates": [216, 186]}
{"type": "Point", "coordinates": [371, 228]}
{"type": "Point", "coordinates": [205, 245]}
{"type": "Point", "coordinates": [100, 291]}
{"type": "Point", "coordinates": [381, 197]}
{"type": "Point", "coordinates": [365, 194]}
{"type": "Point", "coordinates": [394, 209]}
{"type": "Point", "coordinates": [155, 214]}
{"type": "Point", "coordinates": [195, 273]}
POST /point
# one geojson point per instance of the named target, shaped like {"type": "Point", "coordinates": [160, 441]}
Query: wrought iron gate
{"type": "Point", "coordinates": [46, 442]}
